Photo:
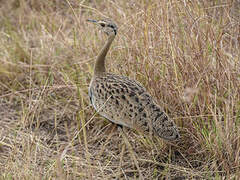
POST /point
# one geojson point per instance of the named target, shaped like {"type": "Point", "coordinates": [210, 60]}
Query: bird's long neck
{"type": "Point", "coordinates": [99, 68]}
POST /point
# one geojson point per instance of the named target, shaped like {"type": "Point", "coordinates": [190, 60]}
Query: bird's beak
{"type": "Point", "coordinates": [92, 20]}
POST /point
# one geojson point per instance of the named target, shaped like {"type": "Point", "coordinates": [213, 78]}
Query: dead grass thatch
{"type": "Point", "coordinates": [185, 53]}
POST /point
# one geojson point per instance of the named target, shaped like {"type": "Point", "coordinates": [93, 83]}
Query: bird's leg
{"type": "Point", "coordinates": [133, 156]}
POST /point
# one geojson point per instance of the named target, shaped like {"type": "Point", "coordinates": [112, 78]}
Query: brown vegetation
{"type": "Point", "coordinates": [186, 53]}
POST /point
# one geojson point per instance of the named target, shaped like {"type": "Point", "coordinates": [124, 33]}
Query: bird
{"type": "Point", "coordinates": [125, 101]}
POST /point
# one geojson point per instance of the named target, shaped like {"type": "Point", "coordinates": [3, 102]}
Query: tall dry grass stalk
{"type": "Point", "coordinates": [185, 53]}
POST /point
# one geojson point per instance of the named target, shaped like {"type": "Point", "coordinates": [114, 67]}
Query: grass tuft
{"type": "Point", "coordinates": [185, 53]}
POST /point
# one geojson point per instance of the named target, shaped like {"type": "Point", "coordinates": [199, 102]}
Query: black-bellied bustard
{"type": "Point", "coordinates": [124, 101]}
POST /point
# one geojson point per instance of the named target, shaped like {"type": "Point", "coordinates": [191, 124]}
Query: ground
{"type": "Point", "coordinates": [186, 54]}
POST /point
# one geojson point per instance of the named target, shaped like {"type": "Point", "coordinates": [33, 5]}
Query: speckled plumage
{"type": "Point", "coordinates": [124, 101]}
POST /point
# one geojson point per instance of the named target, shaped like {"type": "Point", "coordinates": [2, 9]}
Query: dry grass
{"type": "Point", "coordinates": [186, 53]}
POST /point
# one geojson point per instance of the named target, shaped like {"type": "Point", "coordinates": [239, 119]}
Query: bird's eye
{"type": "Point", "coordinates": [102, 24]}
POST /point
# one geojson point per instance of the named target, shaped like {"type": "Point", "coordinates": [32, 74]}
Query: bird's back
{"type": "Point", "coordinates": [126, 102]}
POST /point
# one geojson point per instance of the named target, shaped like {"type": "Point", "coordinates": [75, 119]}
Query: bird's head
{"type": "Point", "coordinates": [107, 26]}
